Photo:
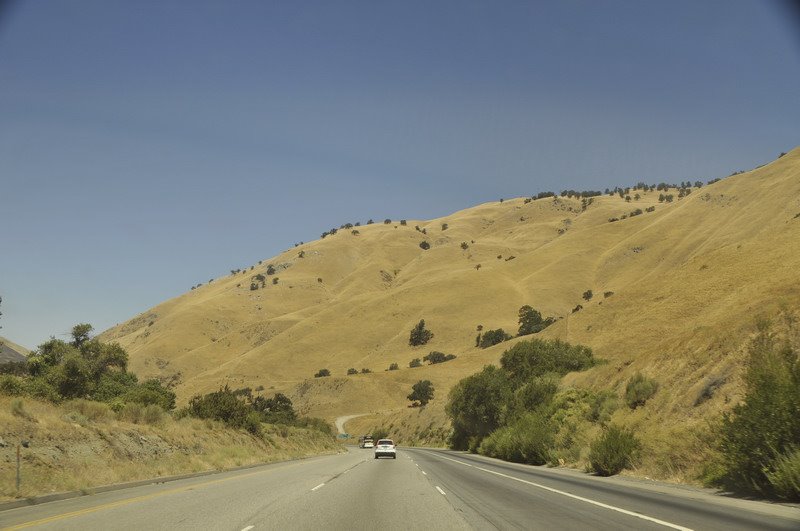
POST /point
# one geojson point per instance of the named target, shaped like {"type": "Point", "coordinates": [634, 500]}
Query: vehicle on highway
{"type": "Point", "coordinates": [385, 448]}
{"type": "Point", "coordinates": [365, 441]}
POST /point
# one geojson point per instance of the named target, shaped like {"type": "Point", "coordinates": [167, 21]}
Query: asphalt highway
{"type": "Point", "coordinates": [421, 489]}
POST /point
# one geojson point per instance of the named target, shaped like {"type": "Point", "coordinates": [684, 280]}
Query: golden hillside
{"type": "Point", "coordinates": [688, 281]}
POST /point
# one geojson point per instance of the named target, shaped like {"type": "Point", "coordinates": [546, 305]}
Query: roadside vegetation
{"type": "Point", "coordinates": [82, 410]}
{"type": "Point", "coordinates": [759, 439]}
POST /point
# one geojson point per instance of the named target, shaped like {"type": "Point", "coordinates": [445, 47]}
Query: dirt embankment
{"type": "Point", "coordinates": [69, 450]}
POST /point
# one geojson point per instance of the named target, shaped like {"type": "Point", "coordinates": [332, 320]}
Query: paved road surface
{"type": "Point", "coordinates": [341, 421]}
{"type": "Point", "coordinates": [421, 489]}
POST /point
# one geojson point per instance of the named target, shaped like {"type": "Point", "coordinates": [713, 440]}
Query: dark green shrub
{"type": "Point", "coordinates": [760, 436]}
{"type": "Point", "coordinates": [784, 477]}
{"type": "Point", "coordinates": [419, 334]}
{"type": "Point", "coordinates": [613, 451]}
{"type": "Point", "coordinates": [476, 406]}
{"type": "Point", "coordinates": [352, 370]}
{"type": "Point", "coordinates": [537, 357]}
{"type": "Point", "coordinates": [276, 410]}
{"type": "Point", "coordinates": [531, 322]}
{"type": "Point", "coordinates": [387, 221]}
{"type": "Point", "coordinates": [424, 246]}
{"type": "Point", "coordinates": [225, 406]}
{"type": "Point", "coordinates": [380, 433]}
{"type": "Point", "coordinates": [421, 392]}
{"type": "Point", "coordinates": [415, 363]}
{"type": "Point", "coordinates": [12, 385]}
{"type": "Point", "coordinates": [366, 371]}
{"type": "Point", "coordinates": [639, 390]}
{"type": "Point", "coordinates": [464, 245]}
{"type": "Point", "coordinates": [394, 367]}
{"type": "Point", "coordinates": [535, 394]}
{"type": "Point", "coordinates": [602, 406]}
{"type": "Point", "coordinates": [315, 423]}
{"type": "Point", "coordinates": [444, 226]}
{"type": "Point", "coordinates": [493, 337]}
{"type": "Point", "coordinates": [438, 357]}
{"type": "Point", "coordinates": [151, 392]}
{"type": "Point", "coordinates": [528, 440]}
{"type": "Point", "coordinates": [322, 373]}
{"type": "Point", "coordinates": [17, 368]}
{"type": "Point", "coordinates": [587, 295]}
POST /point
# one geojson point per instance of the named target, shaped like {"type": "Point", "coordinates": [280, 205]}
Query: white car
{"type": "Point", "coordinates": [368, 443]}
{"type": "Point", "coordinates": [385, 448]}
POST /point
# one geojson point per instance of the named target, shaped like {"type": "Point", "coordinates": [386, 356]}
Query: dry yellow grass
{"type": "Point", "coordinates": [77, 446]}
{"type": "Point", "coordinates": [688, 282]}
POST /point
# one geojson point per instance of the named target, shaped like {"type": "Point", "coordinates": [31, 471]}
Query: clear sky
{"type": "Point", "coordinates": [146, 146]}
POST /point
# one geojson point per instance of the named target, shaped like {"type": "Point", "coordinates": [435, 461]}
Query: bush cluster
{"type": "Point", "coordinates": [438, 357]}
{"type": "Point", "coordinates": [760, 438]}
{"type": "Point", "coordinates": [84, 368]}
{"type": "Point", "coordinates": [421, 393]}
{"type": "Point", "coordinates": [639, 390]}
{"type": "Point", "coordinates": [419, 334]}
{"type": "Point", "coordinates": [531, 322]}
{"type": "Point", "coordinates": [493, 337]}
{"type": "Point", "coordinates": [494, 398]}
{"type": "Point", "coordinates": [240, 409]}
{"type": "Point", "coordinates": [613, 451]}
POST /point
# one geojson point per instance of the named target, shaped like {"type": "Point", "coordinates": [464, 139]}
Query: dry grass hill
{"type": "Point", "coordinates": [676, 295]}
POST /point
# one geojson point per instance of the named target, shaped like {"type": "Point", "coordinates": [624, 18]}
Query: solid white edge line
{"type": "Point", "coordinates": [440, 490]}
{"type": "Point", "coordinates": [574, 496]}
{"type": "Point", "coordinates": [318, 487]}
{"type": "Point", "coordinates": [425, 473]}
{"type": "Point", "coordinates": [248, 528]}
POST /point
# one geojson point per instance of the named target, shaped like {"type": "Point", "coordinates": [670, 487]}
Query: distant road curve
{"type": "Point", "coordinates": [341, 421]}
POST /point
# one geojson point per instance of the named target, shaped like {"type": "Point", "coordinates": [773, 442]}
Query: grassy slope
{"type": "Point", "coordinates": [688, 280]}
{"type": "Point", "coordinates": [70, 452]}
{"type": "Point", "coordinates": [22, 350]}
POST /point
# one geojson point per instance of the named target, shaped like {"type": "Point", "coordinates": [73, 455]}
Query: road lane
{"type": "Point", "coordinates": [421, 489]}
{"type": "Point", "coordinates": [381, 494]}
{"type": "Point", "coordinates": [229, 500]}
{"type": "Point", "coordinates": [493, 493]}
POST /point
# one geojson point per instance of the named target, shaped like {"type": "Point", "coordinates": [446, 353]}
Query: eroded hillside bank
{"type": "Point", "coordinates": [77, 448]}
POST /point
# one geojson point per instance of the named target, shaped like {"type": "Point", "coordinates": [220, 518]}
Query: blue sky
{"type": "Point", "coordinates": [148, 146]}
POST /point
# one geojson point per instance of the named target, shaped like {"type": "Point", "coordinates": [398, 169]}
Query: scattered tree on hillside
{"type": "Point", "coordinates": [493, 337]}
{"type": "Point", "coordinates": [394, 367]}
{"type": "Point", "coordinates": [421, 392]}
{"type": "Point", "coordinates": [352, 370]}
{"type": "Point", "coordinates": [444, 226]}
{"type": "Point", "coordinates": [464, 245]}
{"type": "Point", "coordinates": [270, 269]}
{"type": "Point", "coordinates": [415, 363]}
{"type": "Point", "coordinates": [425, 245]}
{"type": "Point", "coordinates": [419, 334]}
{"type": "Point", "coordinates": [438, 357]}
{"type": "Point", "coordinates": [587, 295]}
{"type": "Point", "coordinates": [477, 405]}
{"type": "Point", "coordinates": [276, 410]}
{"type": "Point", "coordinates": [531, 322]}
{"type": "Point", "coordinates": [322, 373]}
